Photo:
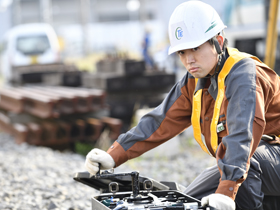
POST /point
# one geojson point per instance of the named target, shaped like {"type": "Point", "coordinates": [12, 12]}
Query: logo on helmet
{"type": "Point", "coordinates": [213, 24]}
{"type": "Point", "coordinates": [179, 33]}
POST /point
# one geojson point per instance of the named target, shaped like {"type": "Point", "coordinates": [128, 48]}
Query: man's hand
{"type": "Point", "coordinates": [96, 156]}
{"type": "Point", "coordinates": [218, 201]}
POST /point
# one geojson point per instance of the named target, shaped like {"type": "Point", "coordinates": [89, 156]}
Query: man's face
{"type": "Point", "coordinates": [199, 61]}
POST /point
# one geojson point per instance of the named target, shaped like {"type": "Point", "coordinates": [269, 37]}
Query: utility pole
{"type": "Point", "coordinates": [271, 34]}
{"type": "Point", "coordinates": [46, 11]}
{"type": "Point", "coordinates": [16, 13]}
{"type": "Point", "coordinates": [85, 20]}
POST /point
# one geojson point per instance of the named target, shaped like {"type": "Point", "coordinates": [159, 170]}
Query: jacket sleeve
{"type": "Point", "coordinates": [167, 120]}
{"type": "Point", "coordinates": [245, 124]}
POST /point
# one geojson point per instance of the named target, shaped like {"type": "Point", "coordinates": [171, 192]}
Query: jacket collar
{"type": "Point", "coordinates": [213, 88]}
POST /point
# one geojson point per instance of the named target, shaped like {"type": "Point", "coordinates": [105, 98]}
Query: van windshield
{"type": "Point", "coordinates": [32, 45]}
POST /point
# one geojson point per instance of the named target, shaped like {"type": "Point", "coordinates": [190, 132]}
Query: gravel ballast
{"type": "Point", "coordinates": [41, 178]}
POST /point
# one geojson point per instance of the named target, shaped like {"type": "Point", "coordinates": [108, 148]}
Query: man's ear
{"type": "Point", "coordinates": [221, 41]}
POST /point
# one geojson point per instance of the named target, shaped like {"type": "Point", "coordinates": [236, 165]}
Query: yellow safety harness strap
{"type": "Point", "coordinates": [196, 111]}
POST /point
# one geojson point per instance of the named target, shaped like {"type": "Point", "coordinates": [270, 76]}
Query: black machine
{"type": "Point", "coordinates": [130, 191]}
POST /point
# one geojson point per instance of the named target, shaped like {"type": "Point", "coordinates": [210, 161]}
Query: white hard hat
{"type": "Point", "coordinates": [191, 24]}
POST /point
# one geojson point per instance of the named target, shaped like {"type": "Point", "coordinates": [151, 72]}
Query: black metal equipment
{"type": "Point", "coordinates": [130, 191]}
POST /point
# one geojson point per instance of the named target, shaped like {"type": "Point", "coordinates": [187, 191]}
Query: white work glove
{"type": "Point", "coordinates": [96, 156]}
{"type": "Point", "coordinates": [219, 201]}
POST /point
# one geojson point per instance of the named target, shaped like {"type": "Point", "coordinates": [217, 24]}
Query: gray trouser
{"type": "Point", "coordinates": [263, 179]}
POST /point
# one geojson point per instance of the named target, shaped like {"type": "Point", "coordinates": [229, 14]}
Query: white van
{"type": "Point", "coordinates": [34, 43]}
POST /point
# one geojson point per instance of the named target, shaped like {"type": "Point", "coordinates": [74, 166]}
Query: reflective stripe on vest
{"type": "Point", "coordinates": [234, 57]}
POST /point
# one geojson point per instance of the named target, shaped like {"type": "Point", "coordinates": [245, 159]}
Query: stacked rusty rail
{"type": "Point", "coordinates": [51, 102]}
{"type": "Point", "coordinates": [49, 116]}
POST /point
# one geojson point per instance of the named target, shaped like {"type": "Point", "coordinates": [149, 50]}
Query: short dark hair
{"type": "Point", "coordinates": [211, 41]}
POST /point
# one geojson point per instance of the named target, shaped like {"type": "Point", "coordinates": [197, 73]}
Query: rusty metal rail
{"type": "Point", "coordinates": [59, 132]}
{"type": "Point", "coordinates": [93, 129]}
{"type": "Point", "coordinates": [96, 97]}
{"type": "Point", "coordinates": [65, 105]}
{"type": "Point", "coordinates": [40, 105]}
{"type": "Point", "coordinates": [53, 116]}
{"type": "Point", "coordinates": [114, 125]}
{"type": "Point", "coordinates": [11, 101]}
{"type": "Point", "coordinates": [51, 102]}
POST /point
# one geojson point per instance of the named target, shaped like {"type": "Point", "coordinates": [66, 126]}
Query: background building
{"type": "Point", "coordinates": [118, 26]}
{"type": "Point", "coordinates": [87, 26]}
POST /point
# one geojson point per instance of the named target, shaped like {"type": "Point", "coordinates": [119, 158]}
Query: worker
{"type": "Point", "coordinates": [146, 45]}
{"type": "Point", "coordinates": [229, 97]}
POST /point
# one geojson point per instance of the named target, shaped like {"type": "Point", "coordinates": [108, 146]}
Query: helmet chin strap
{"type": "Point", "coordinates": [217, 46]}
{"type": "Point", "coordinates": [220, 52]}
